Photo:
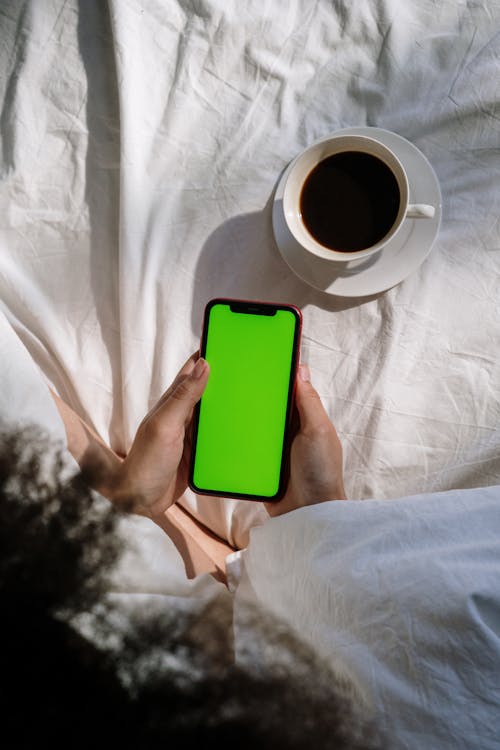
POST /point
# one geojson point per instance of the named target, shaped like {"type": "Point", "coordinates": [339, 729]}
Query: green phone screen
{"type": "Point", "coordinates": [243, 412]}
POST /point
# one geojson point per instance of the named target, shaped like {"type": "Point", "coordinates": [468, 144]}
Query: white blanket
{"type": "Point", "coordinates": [402, 597]}
{"type": "Point", "coordinates": [140, 146]}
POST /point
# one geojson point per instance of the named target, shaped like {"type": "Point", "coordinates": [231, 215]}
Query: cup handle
{"type": "Point", "coordinates": [420, 211]}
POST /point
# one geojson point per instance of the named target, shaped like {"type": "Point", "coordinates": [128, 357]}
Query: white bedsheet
{"type": "Point", "coordinates": [140, 146]}
{"type": "Point", "coordinates": [401, 596]}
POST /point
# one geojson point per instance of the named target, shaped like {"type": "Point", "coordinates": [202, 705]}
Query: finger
{"type": "Point", "coordinates": [184, 372]}
{"type": "Point", "coordinates": [177, 409]}
{"type": "Point", "coordinates": [311, 411]}
{"type": "Point", "coordinates": [186, 369]}
{"type": "Point", "coordinates": [189, 364]}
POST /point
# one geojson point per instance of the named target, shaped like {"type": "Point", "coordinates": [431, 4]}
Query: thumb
{"type": "Point", "coordinates": [312, 414]}
{"type": "Point", "coordinates": [179, 406]}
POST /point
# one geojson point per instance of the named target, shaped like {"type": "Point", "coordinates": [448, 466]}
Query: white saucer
{"type": "Point", "coordinates": [397, 260]}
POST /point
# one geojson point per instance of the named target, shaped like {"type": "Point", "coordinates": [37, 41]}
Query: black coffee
{"type": "Point", "coordinates": [349, 201]}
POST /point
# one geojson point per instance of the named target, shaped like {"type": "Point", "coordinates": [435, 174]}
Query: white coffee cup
{"type": "Point", "coordinates": [306, 162]}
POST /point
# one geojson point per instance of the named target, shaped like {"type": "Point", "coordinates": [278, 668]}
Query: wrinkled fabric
{"type": "Point", "coordinates": [402, 597]}
{"type": "Point", "coordinates": [140, 146]}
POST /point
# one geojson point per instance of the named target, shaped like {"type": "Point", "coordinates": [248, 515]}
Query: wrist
{"type": "Point", "coordinates": [102, 470]}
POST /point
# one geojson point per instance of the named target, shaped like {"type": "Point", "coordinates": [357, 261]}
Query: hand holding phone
{"type": "Point", "coordinates": [316, 470]}
{"type": "Point", "coordinates": [155, 472]}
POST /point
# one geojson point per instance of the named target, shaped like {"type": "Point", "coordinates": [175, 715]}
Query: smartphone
{"type": "Point", "coordinates": [241, 423]}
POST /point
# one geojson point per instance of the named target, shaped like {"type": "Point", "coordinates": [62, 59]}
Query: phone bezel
{"type": "Point", "coordinates": [260, 308]}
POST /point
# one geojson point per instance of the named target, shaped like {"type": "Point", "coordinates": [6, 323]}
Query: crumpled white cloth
{"type": "Point", "coordinates": [401, 596]}
{"type": "Point", "coordinates": [140, 146]}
